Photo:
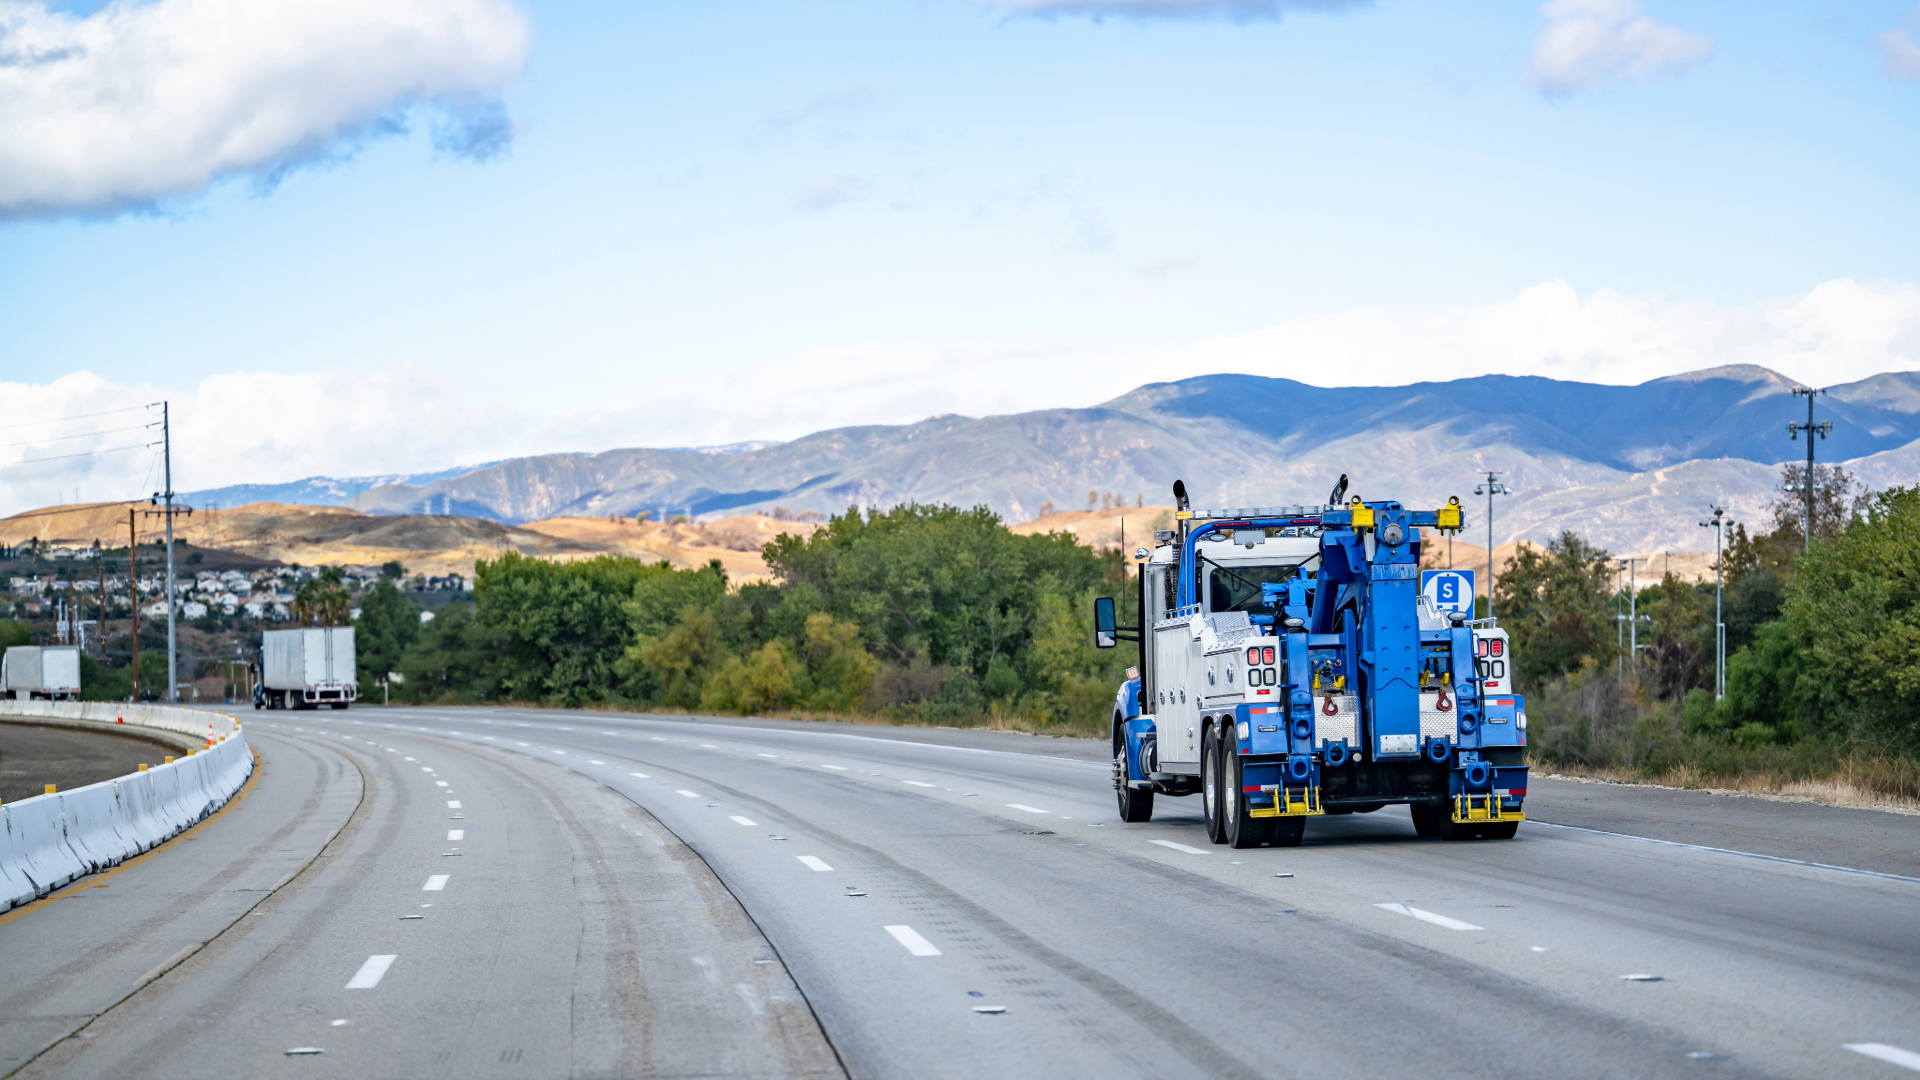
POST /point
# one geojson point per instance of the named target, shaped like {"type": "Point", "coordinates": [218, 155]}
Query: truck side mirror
{"type": "Point", "coordinates": [1105, 629]}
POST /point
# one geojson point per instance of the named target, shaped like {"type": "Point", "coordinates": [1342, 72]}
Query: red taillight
{"type": "Point", "coordinates": [1268, 657]}
{"type": "Point", "coordinates": [1483, 648]}
{"type": "Point", "coordinates": [1496, 646]}
{"type": "Point", "coordinates": [1253, 656]}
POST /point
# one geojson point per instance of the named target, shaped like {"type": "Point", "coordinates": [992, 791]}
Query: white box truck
{"type": "Point", "coordinates": [43, 672]}
{"type": "Point", "coordinates": [305, 669]}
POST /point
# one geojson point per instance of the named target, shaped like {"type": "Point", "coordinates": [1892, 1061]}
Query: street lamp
{"type": "Point", "coordinates": [1823, 429]}
{"type": "Point", "coordinates": [1490, 487]}
{"type": "Point", "coordinates": [1718, 525]}
{"type": "Point", "coordinates": [1633, 617]}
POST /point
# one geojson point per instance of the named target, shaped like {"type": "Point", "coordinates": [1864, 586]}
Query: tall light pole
{"type": "Point", "coordinates": [1490, 487]}
{"type": "Point", "coordinates": [1633, 617]}
{"type": "Point", "coordinates": [1718, 525]}
{"type": "Point", "coordinates": [1823, 429]}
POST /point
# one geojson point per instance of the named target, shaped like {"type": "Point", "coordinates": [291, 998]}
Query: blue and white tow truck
{"type": "Point", "coordinates": [1290, 667]}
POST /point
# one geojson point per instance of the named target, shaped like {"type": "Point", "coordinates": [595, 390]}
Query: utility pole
{"type": "Point", "coordinates": [1718, 525]}
{"type": "Point", "coordinates": [1490, 487]}
{"type": "Point", "coordinates": [100, 563]}
{"type": "Point", "coordinates": [173, 645]}
{"type": "Point", "coordinates": [1823, 429]}
{"type": "Point", "coordinates": [133, 593]}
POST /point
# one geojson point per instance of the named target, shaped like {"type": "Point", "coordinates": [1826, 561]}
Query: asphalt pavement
{"type": "Point", "coordinates": [603, 894]}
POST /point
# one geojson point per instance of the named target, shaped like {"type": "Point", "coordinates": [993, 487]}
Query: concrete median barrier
{"type": "Point", "coordinates": [50, 840]}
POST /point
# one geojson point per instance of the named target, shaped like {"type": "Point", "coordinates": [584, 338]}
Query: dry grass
{"type": "Point", "coordinates": [1860, 783]}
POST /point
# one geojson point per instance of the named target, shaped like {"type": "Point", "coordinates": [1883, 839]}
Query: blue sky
{"type": "Point", "coordinates": [752, 220]}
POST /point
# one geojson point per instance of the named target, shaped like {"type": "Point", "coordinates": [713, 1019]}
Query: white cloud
{"type": "Point", "coordinates": [140, 102]}
{"type": "Point", "coordinates": [236, 428]}
{"type": "Point", "coordinates": [1587, 43]}
{"type": "Point", "coordinates": [1172, 9]}
{"type": "Point", "coordinates": [1901, 46]}
{"type": "Point", "coordinates": [1841, 331]}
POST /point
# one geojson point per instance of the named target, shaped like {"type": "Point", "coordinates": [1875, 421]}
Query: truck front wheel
{"type": "Point", "coordinates": [1135, 805]}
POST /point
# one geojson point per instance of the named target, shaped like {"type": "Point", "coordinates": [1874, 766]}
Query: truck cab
{"type": "Point", "coordinates": [1290, 668]}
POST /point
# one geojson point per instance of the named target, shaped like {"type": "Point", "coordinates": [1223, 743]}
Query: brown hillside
{"type": "Point", "coordinates": [735, 541]}
{"type": "Point", "coordinates": [426, 544]}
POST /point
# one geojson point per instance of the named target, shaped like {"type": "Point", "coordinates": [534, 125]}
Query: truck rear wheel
{"type": "Point", "coordinates": [1431, 820]}
{"type": "Point", "coordinates": [1211, 784]}
{"type": "Point", "coordinates": [1135, 805]}
{"type": "Point", "coordinates": [1242, 829]}
{"type": "Point", "coordinates": [1500, 830]}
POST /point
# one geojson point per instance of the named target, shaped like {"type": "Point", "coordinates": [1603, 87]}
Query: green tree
{"type": "Point", "coordinates": [323, 600]}
{"type": "Point", "coordinates": [14, 632]}
{"type": "Point", "coordinates": [388, 623]}
{"type": "Point", "coordinates": [562, 627]}
{"type": "Point", "coordinates": [1853, 609]}
{"type": "Point", "coordinates": [1556, 605]}
{"type": "Point", "coordinates": [954, 586]}
{"type": "Point", "coordinates": [452, 659]}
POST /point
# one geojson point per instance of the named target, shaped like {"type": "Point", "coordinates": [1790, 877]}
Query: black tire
{"type": "Point", "coordinates": [1135, 806]}
{"type": "Point", "coordinates": [1286, 831]}
{"type": "Point", "coordinates": [1211, 785]}
{"type": "Point", "coordinates": [1432, 820]}
{"type": "Point", "coordinates": [339, 704]}
{"type": "Point", "coordinates": [1242, 829]}
{"type": "Point", "coordinates": [1500, 830]}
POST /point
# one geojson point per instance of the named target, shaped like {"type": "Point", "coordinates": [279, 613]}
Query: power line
{"type": "Point", "coordinates": [65, 457]}
{"type": "Point", "coordinates": [78, 435]}
{"type": "Point", "coordinates": [80, 416]}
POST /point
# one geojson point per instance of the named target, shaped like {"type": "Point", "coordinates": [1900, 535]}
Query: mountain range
{"type": "Point", "coordinates": [1635, 468]}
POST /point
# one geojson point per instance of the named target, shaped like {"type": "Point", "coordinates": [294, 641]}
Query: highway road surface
{"type": "Point", "coordinates": [510, 893]}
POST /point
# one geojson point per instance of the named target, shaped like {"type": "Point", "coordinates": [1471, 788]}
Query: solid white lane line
{"type": "Point", "coordinates": [814, 863]}
{"type": "Point", "coordinates": [917, 783]}
{"type": "Point", "coordinates": [1429, 917]}
{"type": "Point", "coordinates": [745, 821]}
{"type": "Point", "coordinates": [456, 834]}
{"type": "Point", "coordinates": [436, 883]}
{"type": "Point", "coordinates": [1730, 851]}
{"type": "Point", "coordinates": [915, 944]}
{"type": "Point", "coordinates": [1182, 847]}
{"type": "Point", "coordinates": [372, 972]}
{"type": "Point", "coordinates": [1892, 1055]}
{"type": "Point", "coordinates": [1028, 809]}
{"type": "Point", "coordinates": [453, 804]}
{"type": "Point", "coordinates": [688, 794]}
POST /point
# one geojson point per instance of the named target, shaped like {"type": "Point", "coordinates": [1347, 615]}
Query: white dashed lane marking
{"type": "Point", "coordinates": [688, 794]}
{"type": "Point", "coordinates": [436, 883]}
{"type": "Point", "coordinates": [1892, 1055]}
{"type": "Point", "coordinates": [456, 834]}
{"type": "Point", "coordinates": [453, 804]}
{"type": "Point", "coordinates": [813, 863]}
{"type": "Point", "coordinates": [915, 944]}
{"type": "Point", "coordinates": [1429, 917]}
{"type": "Point", "coordinates": [744, 821]}
{"type": "Point", "coordinates": [917, 783]}
{"type": "Point", "coordinates": [641, 775]}
{"type": "Point", "coordinates": [1181, 847]}
{"type": "Point", "coordinates": [1028, 809]}
{"type": "Point", "coordinates": [372, 972]}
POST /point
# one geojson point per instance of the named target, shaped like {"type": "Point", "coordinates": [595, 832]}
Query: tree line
{"type": "Point", "coordinates": [1823, 641]}
{"type": "Point", "coordinates": [925, 613]}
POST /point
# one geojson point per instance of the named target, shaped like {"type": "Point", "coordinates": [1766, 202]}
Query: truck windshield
{"type": "Point", "coordinates": [1237, 588]}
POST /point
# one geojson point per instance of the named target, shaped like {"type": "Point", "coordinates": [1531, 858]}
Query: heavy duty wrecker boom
{"type": "Point", "coordinates": [1290, 667]}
